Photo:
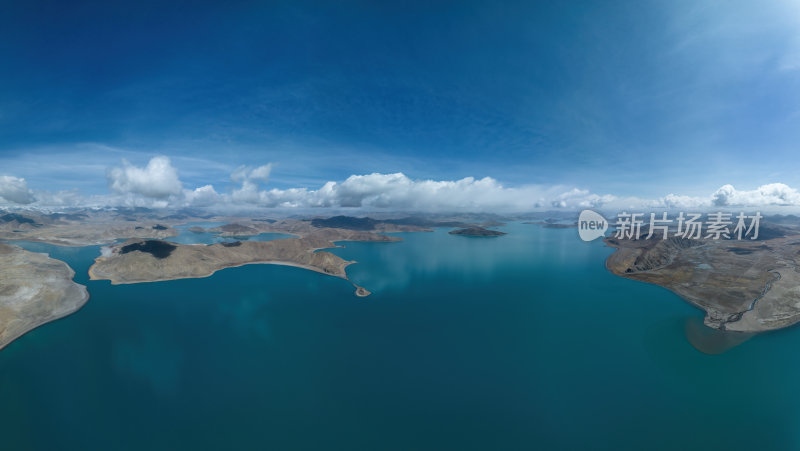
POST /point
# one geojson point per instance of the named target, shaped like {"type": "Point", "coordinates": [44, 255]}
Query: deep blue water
{"type": "Point", "coordinates": [516, 342]}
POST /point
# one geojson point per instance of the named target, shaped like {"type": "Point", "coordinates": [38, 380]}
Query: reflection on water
{"type": "Point", "coordinates": [396, 266]}
{"type": "Point", "coordinates": [712, 341]}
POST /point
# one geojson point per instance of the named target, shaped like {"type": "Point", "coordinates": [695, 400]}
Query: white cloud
{"type": "Point", "coordinates": [581, 198]}
{"type": "Point", "coordinates": [68, 198]}
{"type": "Point", "coordinates": [158, 180]}
{"type": "Point", "coordinates": [205, 196]}
{"type": "Point", "coordinates": [157, 185]}
{"type": "Point", "coordinates": [398, 191]}
{"type": "Point", "coordinates": [261, 173]}
{"type": "Point", "coordinates": [249, 177]}
{"type": "Point", "coordinates": [769, 195]}
{"type": "Point", "coordinates": [244, 173]}
{"type": "Point", "coordinates": [773, 194]}
{"type": "Point", "coordinates": [677, 202]}
{"type": "Point", "coordinates": [15, 189]}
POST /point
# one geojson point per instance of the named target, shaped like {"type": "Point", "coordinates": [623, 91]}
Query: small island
{"type": "Point", "coordinates": [36, 289]}
{"type": "Point", "coordinates": [476, 231]}
{"type": "Point", "coordinates": [552, 224]}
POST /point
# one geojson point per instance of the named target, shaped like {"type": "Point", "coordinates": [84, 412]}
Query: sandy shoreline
{"type": "Point", "coordinates": [115, 281]}
{"type": "Point", "coordinates": [6, 342]}
{"type": "Point", "coordinates": [139, 261]}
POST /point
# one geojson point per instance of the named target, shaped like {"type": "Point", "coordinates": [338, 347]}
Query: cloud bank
{"type": "Point", "coordinates": [771, 194]}
{"type": "Point", "coordinates": [158, 185]}
{"type": "Point", "coordinates": [727, 196]}
{"type": "Point", "coordinates": [397, 191]}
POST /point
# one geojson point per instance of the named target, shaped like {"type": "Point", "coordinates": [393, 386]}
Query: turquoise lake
{"type": "Point", "coordinates": [523, 341]}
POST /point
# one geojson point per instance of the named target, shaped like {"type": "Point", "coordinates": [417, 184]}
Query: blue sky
{"type": "Point", "coordinates": [629, 98]}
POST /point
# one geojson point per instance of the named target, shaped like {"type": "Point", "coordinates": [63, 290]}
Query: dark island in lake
{"type": "Point", "coordinates": [476, 231]}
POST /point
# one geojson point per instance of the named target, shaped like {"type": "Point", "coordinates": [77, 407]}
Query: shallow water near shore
{"type": "Point", "coordinates": [514, 342]}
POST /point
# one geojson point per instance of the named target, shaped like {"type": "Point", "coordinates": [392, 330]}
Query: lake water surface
{"type": "Point", "coordinates": [523, 341]}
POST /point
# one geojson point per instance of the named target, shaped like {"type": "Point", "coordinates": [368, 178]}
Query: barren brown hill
{"type": "Point", "coordinates": [151, 260]}
{"type": "Point", "coordinates": [746, 286]}
{"type": "Point", "coordinates": [34, 290]}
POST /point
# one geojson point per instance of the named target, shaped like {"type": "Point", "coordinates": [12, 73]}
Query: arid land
{"type": "Point", "coordinates": [36, 289]}
{"type": "Point", "coordinates": [742, 285]}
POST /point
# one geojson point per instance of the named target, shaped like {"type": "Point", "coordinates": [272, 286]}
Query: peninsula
{"type": "Point", "coordinates": [137, 261]}
{"type": "Point", "coordinates": [34, 290]}
{"type": "Point", "coordinates": [743, 286]}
